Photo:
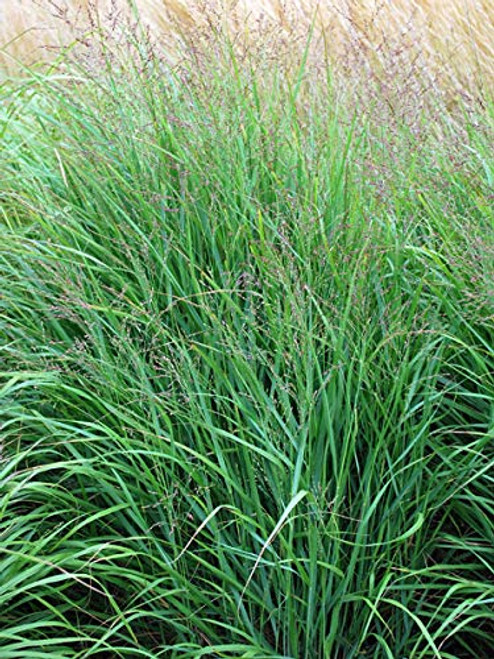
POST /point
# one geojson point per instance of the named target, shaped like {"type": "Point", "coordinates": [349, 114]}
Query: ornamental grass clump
{"type": "Point", "coordinates": [246, 342]}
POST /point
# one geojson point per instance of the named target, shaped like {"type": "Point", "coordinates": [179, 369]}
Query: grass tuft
{"type": "Point", "coordinates": [246, 334]}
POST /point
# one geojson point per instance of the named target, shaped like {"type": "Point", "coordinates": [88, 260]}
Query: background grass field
{"type": "Point", "coordinates": [452, 39]}
{"type": "Point", "coordinates": [246, 328]}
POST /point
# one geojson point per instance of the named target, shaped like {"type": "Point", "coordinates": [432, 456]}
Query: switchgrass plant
{"type": "Point", "coordinates": [246, 343]}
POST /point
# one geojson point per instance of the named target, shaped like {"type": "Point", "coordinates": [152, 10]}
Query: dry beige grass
{"type": "Point", "coordinates": [454, 38]}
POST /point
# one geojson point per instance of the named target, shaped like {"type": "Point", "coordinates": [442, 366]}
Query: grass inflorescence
{"type": "Point", "coordinates": [246, 333]}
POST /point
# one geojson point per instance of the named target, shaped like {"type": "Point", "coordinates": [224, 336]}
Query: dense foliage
{"type": "Point", "coordinates": [246, 331]}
